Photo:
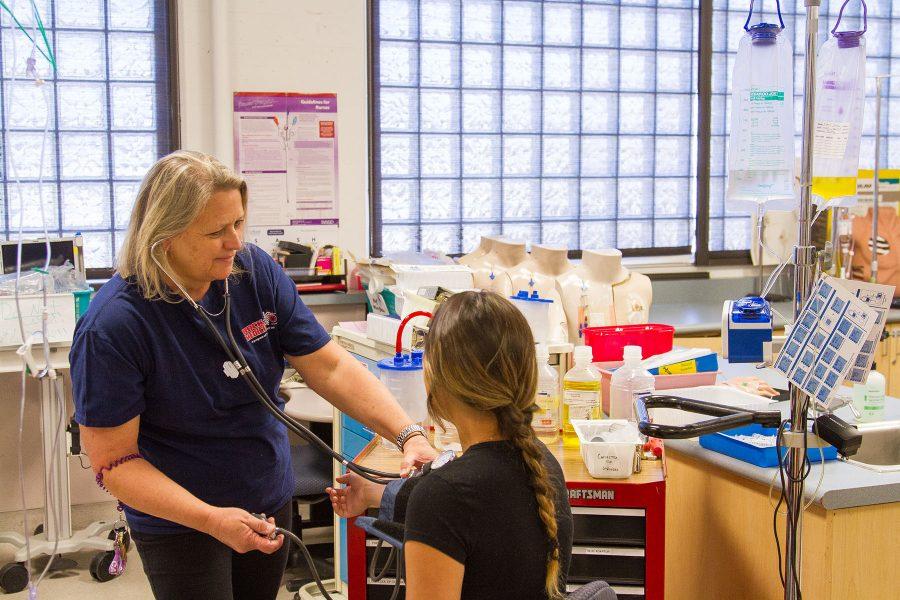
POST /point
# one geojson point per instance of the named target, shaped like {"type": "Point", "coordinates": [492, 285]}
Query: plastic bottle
{"type": "Point", "coordinates": [868, 397]}
{"type": "Point", "coordinates": [628, 380]}
{"type": "Point", "coordinates": [581, 393]}
{"type": "Point", "coordinates": [546, 421]}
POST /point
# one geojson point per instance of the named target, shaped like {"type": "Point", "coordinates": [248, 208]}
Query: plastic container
{"type": "Point", "coordinates": [614, 457]}
{"type": "Point", "coordinates": [868, 398]}
{"type": "Point", "coordinates": [403, 377]}
{"type": "Point", "coordinates": [537, 313]}
{"type": "Point", "coordinates": [761, 144]}
{"type": "Point", "coordinates": [546, 421]}
{"type": "Point", "coordinates": [628, 380]}
{"type": "Point", "coordinates": [661, 382]}
{"type": "Point", "coordinates": [581, 394]}
{"type": "Point", "coordinates": [608, 343]}
{"type": "Point", "coordinates": [725, 442]}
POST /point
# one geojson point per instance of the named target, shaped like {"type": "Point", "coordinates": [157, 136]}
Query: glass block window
{"type": "Point", "coordinates": [731, 230]}
{"type": "Point", "coordinates": [565, 123]}
{"type": "Point", "coordinates": [107, 113]}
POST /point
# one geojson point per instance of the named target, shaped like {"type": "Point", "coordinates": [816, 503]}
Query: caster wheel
{"type": "Point", "coordinates": [13, 578]}
{"type": "Point", "coordinates": [112, 536]}
{"type": "Point", "coordinates": [100, 566]}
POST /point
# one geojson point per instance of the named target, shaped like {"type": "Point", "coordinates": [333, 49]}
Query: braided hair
{"type": "Point", "coordinates": [479, 350]}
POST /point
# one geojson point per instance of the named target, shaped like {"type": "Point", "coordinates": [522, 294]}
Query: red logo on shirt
{"type": "Point", "coordinates": [258, 329]}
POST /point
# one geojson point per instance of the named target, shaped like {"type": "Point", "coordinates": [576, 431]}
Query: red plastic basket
{"type": "Point", "coordinates": [608, 343]}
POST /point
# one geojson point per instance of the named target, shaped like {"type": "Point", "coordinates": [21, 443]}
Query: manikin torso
{"type": "Point", "coordinates": [601, 291]}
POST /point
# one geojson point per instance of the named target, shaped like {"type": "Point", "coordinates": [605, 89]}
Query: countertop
{"type": "Point", "coordinates": [843, 485]}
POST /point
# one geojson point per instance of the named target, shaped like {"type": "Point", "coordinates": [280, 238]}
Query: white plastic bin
{"type": "Point", "coordinates": [612, 458]}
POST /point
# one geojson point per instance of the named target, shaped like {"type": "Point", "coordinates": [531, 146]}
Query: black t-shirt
{"type": "Point", "coordinates": [481, 511]}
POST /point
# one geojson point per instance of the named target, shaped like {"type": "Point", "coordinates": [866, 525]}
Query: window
{"type": "Point", "coordinates": [573, 123]}
{"type": "Point", "coordinates": [109, 117]}
{"type": "Point", "coordinates": [543, 121]}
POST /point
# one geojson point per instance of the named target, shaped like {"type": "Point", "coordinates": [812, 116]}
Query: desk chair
{"type": "Point", "coordinates": [312, 474]}
{"type": "Point", "coordinates": [392, 533]}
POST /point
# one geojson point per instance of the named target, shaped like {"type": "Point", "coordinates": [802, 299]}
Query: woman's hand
{"type": "Point", "coordinates": [355, 497]}
{"type": "Point", "coordinates": [416, 452]}
{"type": "Point", "coordinates": [241, 531]}
{"type": "Point", "coordinates": [752, 385]}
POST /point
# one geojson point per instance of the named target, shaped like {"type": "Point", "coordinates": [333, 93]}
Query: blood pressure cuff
{"type": "Point", "coordinates": [396, 496]}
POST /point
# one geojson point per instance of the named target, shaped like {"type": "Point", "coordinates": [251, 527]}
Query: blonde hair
{"type": "Point", "coordinates": [480, 350]}
{"type": "Point", "coordinates": [174, 192]}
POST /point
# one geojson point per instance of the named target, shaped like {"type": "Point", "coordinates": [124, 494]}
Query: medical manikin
{"type": "Point", "coordinates": [601, 291]}
{"type": "Point", "coordinates": [499, 266]}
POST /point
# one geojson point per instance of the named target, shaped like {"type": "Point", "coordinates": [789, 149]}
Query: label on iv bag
{"type": "Point", "coordinates": [831, 139]}
{"type": "Point", "coordinates": [760, 131]}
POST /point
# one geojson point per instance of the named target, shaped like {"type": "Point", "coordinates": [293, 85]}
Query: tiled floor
{"type": "Point", "coordinates": [77, 583]}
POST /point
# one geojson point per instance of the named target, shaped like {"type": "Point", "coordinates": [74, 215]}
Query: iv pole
{"type": "Point", "coordinates": [804, 272]}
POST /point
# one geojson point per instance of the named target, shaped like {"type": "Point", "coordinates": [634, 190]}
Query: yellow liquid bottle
{"type": "Point", "coordinates": [581, 394]}
{"type": "Point", "coordinates": [827, 188]}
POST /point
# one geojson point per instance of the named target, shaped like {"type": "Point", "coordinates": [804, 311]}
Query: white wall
{"type": "Point", "coordinates": [279, 46]}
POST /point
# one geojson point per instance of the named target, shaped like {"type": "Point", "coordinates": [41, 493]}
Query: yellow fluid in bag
{"type": "Point", "coordinates": [827, 188]}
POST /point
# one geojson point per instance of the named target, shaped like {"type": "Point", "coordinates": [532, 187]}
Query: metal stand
{"type": "Point", "coordinates": [804, 273]}
{"type": "Point", "coordinates": [57, 536]}
{"type": "Point", "coordinates": [879, 79]}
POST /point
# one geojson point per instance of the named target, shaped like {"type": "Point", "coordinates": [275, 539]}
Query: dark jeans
{"type": "Point", "coordinates": [193, 565]}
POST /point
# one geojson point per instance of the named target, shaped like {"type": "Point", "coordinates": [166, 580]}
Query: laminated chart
{"type": "Point", "coordinates": [877, 297]}
{"type": "Point", "coordinates": [826, 339]}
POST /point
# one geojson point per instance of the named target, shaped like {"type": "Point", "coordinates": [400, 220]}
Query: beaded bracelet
{"type": "Point", "coordinates": [119, 461]}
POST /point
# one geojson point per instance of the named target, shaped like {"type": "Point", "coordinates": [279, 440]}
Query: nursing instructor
{"type": "Point", "coordinates": [186, 448]}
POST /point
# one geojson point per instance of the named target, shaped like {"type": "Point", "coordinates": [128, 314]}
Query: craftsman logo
{"type": "Point", "coordinates": [258, 329]}
{"type": "Point", "coordinates": [583, 494]}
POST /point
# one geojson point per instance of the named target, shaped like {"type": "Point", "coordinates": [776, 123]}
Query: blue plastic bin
{"type": "Point", "coordinates": [724, 443]}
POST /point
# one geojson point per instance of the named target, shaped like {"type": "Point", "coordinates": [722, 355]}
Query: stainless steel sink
{"type": "Point", "coordinates": [880, 449]}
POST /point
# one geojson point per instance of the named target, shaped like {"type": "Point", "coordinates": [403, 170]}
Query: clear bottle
{"type": "Point", "coordinates": [868, 397]}
{"type": "Point", "coordinates": [546, 421]}
{"type": "Point", "coordinates": [581, 393]}
{"type": "Point", "coordinates": [628, 380]}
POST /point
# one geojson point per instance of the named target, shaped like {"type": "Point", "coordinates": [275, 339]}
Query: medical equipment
{"type": "Point", "coordinates": [747, 330]}
{"type": "Point", "coordinates": [236, 365]}
{"type": "Point", "coordinates": [537, 312]}
{"type": "Point", "coordinates": [761, 147]}
{"type": "Point", "coordinates": [840, 98]}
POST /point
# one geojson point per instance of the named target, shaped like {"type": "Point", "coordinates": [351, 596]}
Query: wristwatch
{"type": "Point", "coordinates": [408, 432]}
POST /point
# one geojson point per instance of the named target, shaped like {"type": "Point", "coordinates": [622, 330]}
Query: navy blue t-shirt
{"type": "Point", "coordinates": [206, 431]}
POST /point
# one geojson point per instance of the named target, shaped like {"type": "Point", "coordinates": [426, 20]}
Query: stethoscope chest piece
{"type": "Point", "coordinates": [230, 370]}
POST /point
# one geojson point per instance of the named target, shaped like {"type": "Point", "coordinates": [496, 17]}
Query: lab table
{"type": "Point", "coordinates": [619, 528]}
{"type": "Point", "coordinates": [720, 517]}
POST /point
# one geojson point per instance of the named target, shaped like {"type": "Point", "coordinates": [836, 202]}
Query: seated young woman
{"type": "Point", "coordinates": [495, 522]}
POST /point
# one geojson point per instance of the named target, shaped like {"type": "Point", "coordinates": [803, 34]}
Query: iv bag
{"type": "Point", "coordinates": [761, 145]}
{"type": "Point", "coordinates": [840, 98]}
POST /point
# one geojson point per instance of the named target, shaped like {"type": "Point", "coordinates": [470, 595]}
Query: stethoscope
{"type": "Point", "coordinates": [236, 365]}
